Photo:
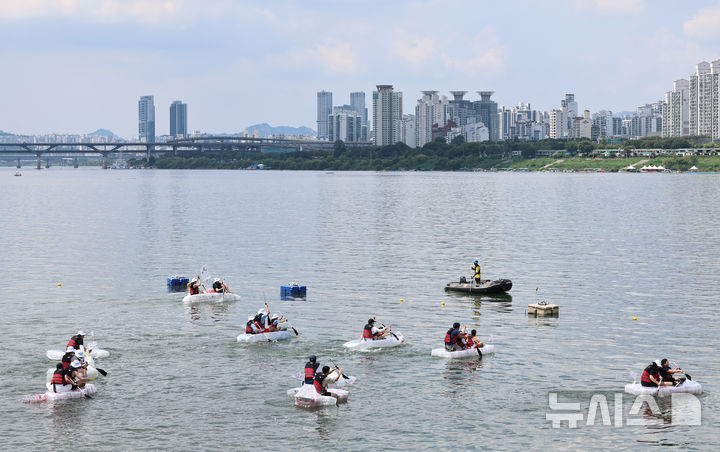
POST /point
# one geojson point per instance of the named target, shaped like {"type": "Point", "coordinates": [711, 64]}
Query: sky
{"type": "Point", "coordinates": [73, 66]}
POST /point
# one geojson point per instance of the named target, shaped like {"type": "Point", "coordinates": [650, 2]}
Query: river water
{"type": "Point", "coordinates": [605, 247]}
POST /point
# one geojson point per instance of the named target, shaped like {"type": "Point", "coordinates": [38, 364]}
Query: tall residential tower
{"type": "Point", "coordinates": [387, 115]}
{"type": "Point", "coordinates": [178, 119]}
{"type": "Point", "coordinates": [324, 110]}
{"type": "Point", "coordinates": [146, 119]}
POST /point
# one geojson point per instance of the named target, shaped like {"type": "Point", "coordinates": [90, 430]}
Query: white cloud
{"type": "Point", "coordinates": [337, 58]}
{"type": "Point", "coordinates": [484, 53]}
{"type": "Point", "coordinates": [413, 49]}
{"type": "Point", "coordinates": [705, 24]}
{"type": "Point", "coordinates": [611, 6]}
{"type": "Point", "coordinates": [109, 10]}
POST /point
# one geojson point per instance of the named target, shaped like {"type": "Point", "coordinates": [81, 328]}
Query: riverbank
{"type": "Point", "coordinates": [422, 162]}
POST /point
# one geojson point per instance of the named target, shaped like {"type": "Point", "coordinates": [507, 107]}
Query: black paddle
{"type": "Point", "coordinates": [343, 375]}
{"type": "Point", "coordinates": [101, 371]}
{"type": "Point", "coordinates": [383, 325]}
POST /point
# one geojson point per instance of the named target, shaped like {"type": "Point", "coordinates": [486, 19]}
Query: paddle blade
{"type": "Point", "coordinates": [101, 371]}
{"type": "Point", "coordinates": [294, 331]}
{"type": "Point", "coordinates": [688, 377]}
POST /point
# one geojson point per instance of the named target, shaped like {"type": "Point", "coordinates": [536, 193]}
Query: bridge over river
{"type": "Point", "coordinates": [180, 146]}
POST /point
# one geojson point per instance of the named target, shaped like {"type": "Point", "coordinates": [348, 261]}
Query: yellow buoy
{"type": "Point", "coordinates": [59, 284]}
{"type": "Point", "coordinates": [442, 303]}
{"type": "Point", "coordinates": [634, 318]}
{"type": "Point", "coordinates": [401, 300]}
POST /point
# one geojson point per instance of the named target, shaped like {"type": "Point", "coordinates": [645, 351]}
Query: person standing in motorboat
{"type": "Point", "coordinates": [76, 341]}
{"type": "Point", "coordinates": [453, 338]}
{"type": "Point", "coordinates": [310, 370]}
{"type": "Point", "coordinates": [476, 272]}
{"type": "Point", "coordinates": [666, 373]}
{"type": "Point", "coordinates": [371, 333]}
{"type": "Point", "coordinates": [325, 378]}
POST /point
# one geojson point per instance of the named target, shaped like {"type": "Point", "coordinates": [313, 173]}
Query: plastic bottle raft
{"type": "Point", "coordinates": [687, 387]}
{"type": "Point", "coordinates": [486, 349]}
{"type": "Point", "coordinates": [52, 396]}
{"type": "Point", "coordinates": [211, 297]}
{"type": "Point", "coordinates": [389, 341]}
{"type": "Point", "coordinates": [264, 337]}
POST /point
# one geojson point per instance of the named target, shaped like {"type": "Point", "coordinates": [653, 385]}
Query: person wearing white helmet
{"type": "Point", "coordinates": [68, 357]}
{"type": "Point", "coordinates": [194, 286]}
{"type": "Point", "coordinates": [77, 341]}
{"type": "Point", "coordinates": [276, 319]}
{"type": "Point", "coordinates": [220, 286]}
{"type": "Point", "coordinates": [82, 370]}
{"type": "Point", "coordinates": [72, 376]}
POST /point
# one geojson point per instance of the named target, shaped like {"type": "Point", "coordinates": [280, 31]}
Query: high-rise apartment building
{"type": "Point", "coordinates": [704, 100]}
{"type": "Point", "coordinates": [178, 119]}
{"type": "Point", "coordinates": [431, 110]}
{"type": "Point", "coordinates": [407, 130]}
{"type": "Point", "coordinates": [570, 110]}
{"type": "Point", "coordinates": [486, 111]}
{"type": "Point", "coordinates": [324, 110]}
{"type": "Point", "coordinates": [558, 125]}
{"type": "Point", "coordinates": [387, 114]}
{"type": "Point", "coordinates": [345, 124]}
{"type": "Point", "coordinates": [357, 102]}
{"type": "Point", "coordinates": [605, 124]}
{"type": "Point", "coordinates": [146, 119]}
{"type": "Point", "coordinates": [676, 110]}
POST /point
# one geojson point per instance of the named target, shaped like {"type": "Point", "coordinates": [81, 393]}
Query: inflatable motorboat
{"type": "Point", "coordinates": [486, 349]}
{"type": "Point", "coordinates": [264, 337]}
{"type": "Point", "coordinates": [52, 396]}
{"type": "Point", "coordinates": [211, 297]}
{"type": "Point", "coordinates": [307, 397]}
{"type": "Point", "coordinates": [389, 341]}
{"type": "Point", "coordinates": [95, 352]}
{"type": "Point", "coordinates": [485, 287]}
{"type": "Point", "coordinates": [687, 387]}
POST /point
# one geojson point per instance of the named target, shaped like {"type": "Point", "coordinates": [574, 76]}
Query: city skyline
{"type": "Point", "coordinates": [275, 80]}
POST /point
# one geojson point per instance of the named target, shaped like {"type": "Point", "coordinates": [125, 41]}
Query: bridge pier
{"type": "Point", "coordinates": [39, 160]}
{"type": "Point", "coordinates": [75, 162]}
{"type": "Point", "coordinates": [47, 163]}
{"type": "Point", "coordinates": [105, 157]}
{"type": "Point", "coordinates": [18, 164]}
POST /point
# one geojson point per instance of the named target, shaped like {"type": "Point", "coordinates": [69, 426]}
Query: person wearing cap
{"type": "Point", "coordinates": [82, 370]}
{"type": "Point", "coordinates": [324, 378]}
{"type": "Point", "coordinates": [370, 333]}
{"type": "Point", "coordinates": [310, 370]}
{"type": "Point", "coordinates": [253, 325]}
{"type": "Point", "coordinates": [275, 320]}
{"type": "Point", "coordinates": [194, 286]}
{"type": "Point", "coordinates": [77, 341]}
{"type": "Point", "coordinates": [68, 357]}
{"type": "Point", "coordinates": [71, 376]}
{"type": "Point", "coordinates": [219, 286]}
{"type": "Point", "coordinates": [476, 272]}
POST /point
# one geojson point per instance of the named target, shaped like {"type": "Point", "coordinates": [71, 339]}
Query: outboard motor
{"type": "Point", "coordinates": [463, 280]}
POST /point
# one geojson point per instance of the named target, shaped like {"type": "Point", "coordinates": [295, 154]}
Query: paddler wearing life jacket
{"type": "Point", "coordinates": [310, 370]}
{"type": "Point", "coordinates": [453, 338]}
{"type": "Point", "coordinates": [82, 370]}
{"type": "Point", "coordinates": [219, 286]}
{"type": "Point", "coordinates": [68, 357]}
{"type": "Point", "coordinates": [275, 322]}
{"type": "Point", "coordinates": [58, 379]}
{"type": "Point", "coordinates": [651, 375]}
{"type": "Point", "coordinates": [471, 340]}
{"type": "Point", "coordinates": [194, 286]}
{"type": "Point", "coordinates": [71, 376]}
{"type": "Point", "coordinates": [324, 378]}
{"type": "Point", "coordinates": [76, 341]}
{"type": "Point", "coordinates": [476, 272]}
{"type": "Point", "coordinates": [370, 333]}
{"type": "Point", "coordinates": [253, 325]}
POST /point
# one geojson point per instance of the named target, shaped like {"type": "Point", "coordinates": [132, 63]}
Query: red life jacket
{"type": "Point", "coordinates": [248, 328]}
{"type": "Point", "coordinates": [309, 372]}
{"type": "Point", "coordinates": [646, 376]}
{"type": "Point", "coordinates": [67, 358]}
{"type": "Point", "coordinates": [448, 339]}
{"type": "Point", "coordinates": [194, 290]}
{"type": "Point", "coordinates": [367, 332]}
{"type": "Point", "coordinates": [58, 377]}
{"type": "Point", "coordinates": [318, 383]}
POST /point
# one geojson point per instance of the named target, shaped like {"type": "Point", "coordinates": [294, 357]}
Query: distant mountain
{"type": "Point", "coordinates": [266, 129]}
{"type": "Point", "coordinates": [103, 133]}
{"type": "Point", "coordinates": [4, 133]}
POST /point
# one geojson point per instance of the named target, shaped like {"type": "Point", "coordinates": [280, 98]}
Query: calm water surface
{"type": "Point", "coordinates": [605, 247]}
